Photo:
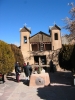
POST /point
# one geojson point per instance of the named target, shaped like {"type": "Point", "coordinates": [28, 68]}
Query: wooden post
{"type": "Point", "coordinates": [44, 46]}
{"type": "Point", "coordinates": [38, 46]}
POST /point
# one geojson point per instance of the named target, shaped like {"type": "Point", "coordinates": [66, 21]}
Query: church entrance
{"type": "Point", "coordinates": [41, 58]}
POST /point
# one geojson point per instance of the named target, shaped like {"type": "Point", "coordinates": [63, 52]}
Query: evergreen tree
{"type": "Point", "coordinates": [7, 59]}
{"type": "Point", "coordinates": [17, 54]}
{"type": "Point", "coordinates": [66, 57]}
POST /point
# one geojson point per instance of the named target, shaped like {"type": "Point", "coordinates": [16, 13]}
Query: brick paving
{"type": "Point", "coordinates": [61, 88]}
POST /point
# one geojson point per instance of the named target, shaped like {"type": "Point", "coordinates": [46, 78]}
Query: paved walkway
{"type": "Point", "coordinates": [60, 89]}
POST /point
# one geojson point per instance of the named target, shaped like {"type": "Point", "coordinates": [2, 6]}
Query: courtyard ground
{"type": "Point", "coordinates": [61, 88]}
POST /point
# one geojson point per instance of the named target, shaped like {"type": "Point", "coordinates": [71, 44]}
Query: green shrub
{"type": "Point", "coordinates": [7, 59]}
{"type": "Point", "coordinates": [17, 54]}
{"type": "Point", "coordinates": [65, 57]}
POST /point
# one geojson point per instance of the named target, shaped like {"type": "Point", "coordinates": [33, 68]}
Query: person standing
{"type": "Point", "coordinates": [27, 70]}
{"type": "Point", "coordinates": [51, 66]}
{"type": "Point", "coordinates": [17, 71]}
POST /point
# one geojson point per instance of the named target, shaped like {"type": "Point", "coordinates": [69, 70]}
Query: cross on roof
{"type": "Point", "coordinates": [54, 23]}
{"type": "Point", "coordinates": [25, 24]}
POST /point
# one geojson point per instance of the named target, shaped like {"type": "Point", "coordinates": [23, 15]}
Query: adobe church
{"type": "Point", "coordinates": [40, 47]}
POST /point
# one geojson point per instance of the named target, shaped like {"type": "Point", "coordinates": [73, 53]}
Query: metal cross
{"type": "Point", "coordinates": [25, 24]}
{"type": "Point", "coordinates": [54, 23]}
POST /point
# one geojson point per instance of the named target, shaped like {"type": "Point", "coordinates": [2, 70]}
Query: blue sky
{"type": "Point", "coordinates": [37, 14]}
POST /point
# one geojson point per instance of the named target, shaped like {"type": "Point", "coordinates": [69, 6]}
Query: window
{"type": "Point", "coordinates": [47, 46]}
{"type": "Point", "coordinates": [34, 47]}
{"type": "Point", "coordinates": [25, 39]}
{"type": "Point", "coordinates": [56, 36]}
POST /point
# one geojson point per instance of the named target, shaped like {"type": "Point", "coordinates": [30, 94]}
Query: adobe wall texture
{"type": "Point", "coordinates": [28, 54]}
{"type": "Point", "coordinates": [56, 43]}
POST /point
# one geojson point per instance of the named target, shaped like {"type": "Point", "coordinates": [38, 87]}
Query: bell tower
{"type": "Point", "coordinates": [55, 33]}
{"type": "Point", "coordinates": [24, 42]}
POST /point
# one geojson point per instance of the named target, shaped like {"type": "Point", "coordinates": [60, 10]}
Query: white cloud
{"type": "Point", "coordinates": [17, 43]}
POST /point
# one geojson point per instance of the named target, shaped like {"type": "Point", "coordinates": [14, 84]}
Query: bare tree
{"type": "Point", "coordinates": [70, 22]}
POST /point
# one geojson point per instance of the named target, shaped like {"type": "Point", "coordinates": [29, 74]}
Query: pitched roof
{"type": "Point", "coordinates": [39, 33]}
{"type": "Point", "coordinates": [54, 27]}
{"type": "Point", "coordinates": [40, 37]}
{"type": "Point", "coordinates": [24, 29]}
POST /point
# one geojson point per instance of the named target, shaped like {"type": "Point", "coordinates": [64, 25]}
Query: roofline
{"type": "Point", "coordinates": [26, 29]}
{"type": "Point", "coordinates": [55, 26]}
{"type": "Point", "coordinates": [38, 33]}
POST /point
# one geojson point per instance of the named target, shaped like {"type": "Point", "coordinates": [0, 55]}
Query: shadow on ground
{"type": "Point", "coordinates": [11, 77]}
{"type": "Point", "coordinates": [25, 82]}
{"type": "Point", "coordinates": [61, 87]}
{"type": "Point", "coordinates": [11, 74]}
{"type": "Point", "coordinates": [61, 78]}
{"type": "Point", "coordinates": [56, 93]}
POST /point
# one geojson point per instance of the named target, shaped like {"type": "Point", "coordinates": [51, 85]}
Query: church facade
{"type": "Point", "coordinates": [40, 46]}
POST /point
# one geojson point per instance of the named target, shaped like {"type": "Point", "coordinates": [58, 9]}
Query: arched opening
{"type": "Point", "coordinates": [25, 39]}
{"type": "Point", "coordinates": [56, 36]}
